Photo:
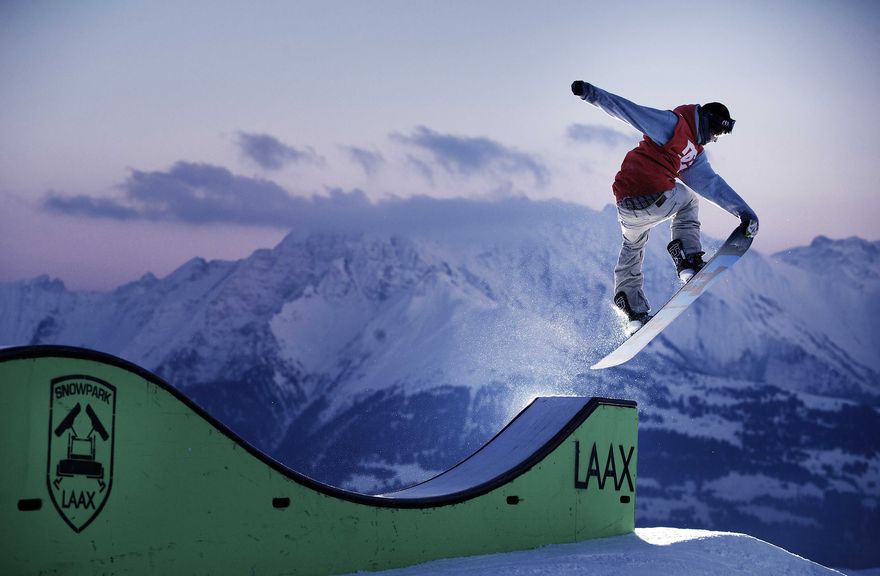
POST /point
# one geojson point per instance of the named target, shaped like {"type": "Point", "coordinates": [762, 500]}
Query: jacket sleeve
{"type": "Point", "coordinates": [658, 125]}
{"type": "Point", "coordinates": [703, 179]}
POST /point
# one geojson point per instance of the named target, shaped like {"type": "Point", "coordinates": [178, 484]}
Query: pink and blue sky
{"type": "Point", "coordinates": [137, 135]}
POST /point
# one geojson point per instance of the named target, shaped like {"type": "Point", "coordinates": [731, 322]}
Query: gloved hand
{"type": "Point", "coordinates": [579, 88]}
{"type": "Point", "coordinates": [749, 224]}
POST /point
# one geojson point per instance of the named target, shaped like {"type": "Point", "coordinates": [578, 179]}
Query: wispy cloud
{"type": "Point", "coordinates": [468, 156]}
{"type": "Point", "coordinates": [421, 167]}
{"type": "Point", "coordinates": [271, 154]}
{"type": "Point", "coordinates": [368, 160]}
{"type": "Point", "coordinates": [602, 135]}
{"type": "Point", "coordinates": [87, 205]}
{"type": "Point", "coordinates": [199, 194]}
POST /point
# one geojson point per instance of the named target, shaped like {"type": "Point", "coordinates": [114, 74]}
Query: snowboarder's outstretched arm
{"type": "Point", "coordinates": [708, 184]}
{"type": "Point", "coordinates": [658, 125]}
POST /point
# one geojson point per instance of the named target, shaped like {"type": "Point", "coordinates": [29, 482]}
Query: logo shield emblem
{"type": "Point", "coordinates": [82, 420]}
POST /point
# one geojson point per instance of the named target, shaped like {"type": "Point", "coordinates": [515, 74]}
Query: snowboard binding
{"type": "Point", "coordinates": [685, 266]}
{"type": "Point", "coordinates": [635, 320]}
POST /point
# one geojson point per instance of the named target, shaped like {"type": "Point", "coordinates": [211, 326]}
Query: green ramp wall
{"type": "Point", "coordinates": [107, 469]}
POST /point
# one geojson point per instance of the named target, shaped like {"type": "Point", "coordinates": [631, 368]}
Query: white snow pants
{"type": "Point", "coordinates": [680, 204]}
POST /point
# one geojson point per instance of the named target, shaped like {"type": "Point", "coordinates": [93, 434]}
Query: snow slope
{"type": "Point", "coordinates": [648, 552]}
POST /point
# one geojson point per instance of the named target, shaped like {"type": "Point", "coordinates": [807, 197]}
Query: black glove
{"type": "Point", "coordinates": [749, 224]}
{"type": "Point", "coordinates": [579, 88]}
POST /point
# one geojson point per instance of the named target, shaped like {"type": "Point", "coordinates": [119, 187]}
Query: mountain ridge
{"type": "Point", "coordinates": [374, 350]}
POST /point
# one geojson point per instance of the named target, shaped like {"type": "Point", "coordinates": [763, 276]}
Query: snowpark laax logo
{"type": "Point", "coordinates": [616, 472]}
{"type": "Point", "coordinates": [82, 419]}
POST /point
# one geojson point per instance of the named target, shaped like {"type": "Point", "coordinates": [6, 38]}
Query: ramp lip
{"type": "Point", "coordinates": [524, 465]}
{"type": "Point", "coordinates": [384, 501]}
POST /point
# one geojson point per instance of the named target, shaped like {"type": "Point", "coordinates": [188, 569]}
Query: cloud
{"type": "Point", "coordinates": [469, 156]}
{"type": "Point", "coordinates": [421, 167]}
{"type": "Point", "coordinates": [369, 161]}
{"type": "Point", "coordinates": [94, 207]}
{"type": "Point", "coordinates": [603, 135]}
{"type": "Point", "coordinates": [271, 154]}
{"type": "Point", "coordinates": [197, 194]}
{"type": "Point", "coordinates": [200, 194]}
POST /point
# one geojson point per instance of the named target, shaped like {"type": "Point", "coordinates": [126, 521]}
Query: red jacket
{"type": "Point", "coordinates": [650, 168]}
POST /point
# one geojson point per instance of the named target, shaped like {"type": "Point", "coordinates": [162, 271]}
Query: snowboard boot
{"type": "Point", "coordinates": [634, 320]}
{"type": "Point", "coordinates": [686, 266]}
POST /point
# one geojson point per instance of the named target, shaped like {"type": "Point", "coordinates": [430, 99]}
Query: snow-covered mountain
{"type": "Point", "coordinates": [370, 352]}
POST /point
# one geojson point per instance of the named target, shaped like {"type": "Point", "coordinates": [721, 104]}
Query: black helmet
{"type": "Point", "coordinates": [715, 120]}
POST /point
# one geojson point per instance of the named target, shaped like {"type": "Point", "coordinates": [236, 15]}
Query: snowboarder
{"type": "Point", "coordinates": [648, 191]}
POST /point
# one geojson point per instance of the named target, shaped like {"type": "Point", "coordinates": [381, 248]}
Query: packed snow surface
{"type": "Point", "coordinates": [648, 552]}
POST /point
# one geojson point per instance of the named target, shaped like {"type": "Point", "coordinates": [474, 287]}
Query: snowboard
{"type": "Point", "coordinates": [726, 256]}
